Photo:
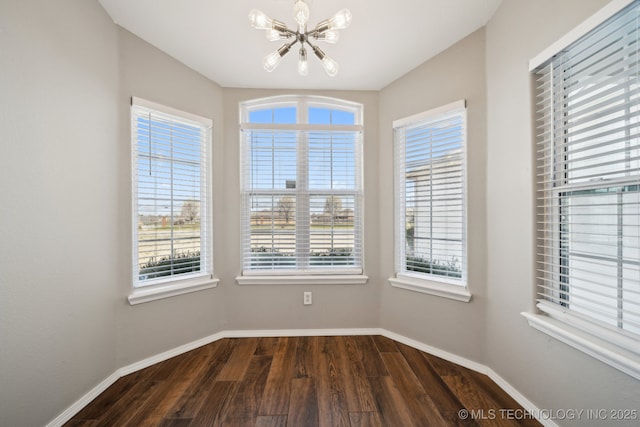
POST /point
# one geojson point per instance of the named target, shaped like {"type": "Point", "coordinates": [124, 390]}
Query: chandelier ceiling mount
{"type": "Point", "coordinates": [326, 31]}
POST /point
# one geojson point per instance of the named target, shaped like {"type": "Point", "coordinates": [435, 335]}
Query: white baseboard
{"type": "Point", "coordinates": [453, 358]}
{"type": "Point", "coordinates": [166, 355]}
{"type": "Point", "coordinates": [79, 404]}
{"type": "Point", "coordinates": [519, 397]}
{"type": "Point", "coordinates": [259, 333]}
{"type": "Point", "coordinates": [129, 369]}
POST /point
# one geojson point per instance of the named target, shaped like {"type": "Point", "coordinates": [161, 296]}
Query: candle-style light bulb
{"type": "Point", "coordinates": [260, 20]}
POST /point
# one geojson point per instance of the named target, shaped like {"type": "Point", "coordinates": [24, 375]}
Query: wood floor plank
{"type": "Point", "coordinates": [109, 397]}
{"type": "Point", "coordinates": [81, 423]}
{"type": "Point", "coordinates": [332, 405]}
{"type": "Point", "coordinates": [175, 422]}
{"type": "Point", "coordinates": [370, 356]}
{"type": "Point", "coordinates": [384, 344]}
{"type": "Point", "coordinates": [275, 399]}
{"type": "Point", "coordinates": [266, 346]}
{"type": "Point", "coordinates": [239, 360]}
{"type": "Point", "coordinates": [303, 404]}
{"type": "Point", "coordinates": [442, 367]}
{"type": "Point", "coordinates": [243, 408]}
{"type": "Point", "coordinates": [474, 400]}
{"type": "Point", "coordinates": [422, 409]}
{"type": "Point", "coordinates": [499, 397]}
{"type": "Point", "coordinates": [391, 406]}
{"type": "Point", "coordinates": [356, 385]}
{"type": "Point", "coordinates": [128, 405]}
{"type": "Point", "coordinates": [164, 397]}
{"type": "Point", "coordinates": [271, 421]}
{"type": "Point", "coordinates": [306, 357]}
{"type": "Point", "coordinates": [193, 398]}
{"type": "Point", "coordinates": [213, 412]}
{"type": "Point", "coordinates": [166, 368]}
{"type": "Point", "coordinates": [445, 401]}
{"type": "Point", "coordinates": [365, 419]}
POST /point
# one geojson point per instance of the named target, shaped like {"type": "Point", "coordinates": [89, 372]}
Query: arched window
{"type": "Point", "coordinates": [301, 186]}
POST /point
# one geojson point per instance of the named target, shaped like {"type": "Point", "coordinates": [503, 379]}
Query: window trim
{"type": "Point", "coordinates": [582, 29]}
{"type": "Point", "coordinates": [340, 275]}
{"type": "Point", "coordinates": [186, 283]}
{"type": "Point", "coordinates": [172, 289]}
{"type": "Point", "coordinates": [607, 345]}
{"type": "Point", "coordinates": [310, 279]}
{"type": "Point", "coordinates": [423, 283]}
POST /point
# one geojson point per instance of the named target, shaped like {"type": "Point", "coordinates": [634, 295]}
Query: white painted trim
{"type": "Point", "coordinates": [572, 36]}
{"type": "Point", "coordinates": [139, 102]}
{"type": "Point", "coordinates": [444, 290]}
{"type": "Point", "coordinates": [604, 351]}
{"type": "Point", "coordinates": [319, 279]}
{"type": "Point", "coordinates": [79, 404]}
{"type": "Point", "coordinates": [279, 101]}
{"type": "Point", "coordinates": [260, 333]}
{"type": "Point", "coordinates": [520, 398]}
{"type": "Point", "coordinates": [166, 355]}
{"type": "Point", "coordinates": [142, 295]}
{"type": "Point", "coordinates": [301, 127]}
{"type": "Point", "coordinates": [430, 114]}
{"type": "Point", "coordinates": [129, 369]}
{"type": "Point", "coordinates": [453, 358]}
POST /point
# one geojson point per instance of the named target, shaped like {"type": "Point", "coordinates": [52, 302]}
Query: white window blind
{"type": "Point", "coordinates": [588, 182]}
{"type": "Point", "coordinates": [302, 189]}
{"type": "Point", "coordinates": [171, 194]}
{"type": "Point", "coordinates": [430, 195]}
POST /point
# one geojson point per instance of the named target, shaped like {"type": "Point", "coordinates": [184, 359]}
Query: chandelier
{"type": "Point", "coordinates": [326, 31]}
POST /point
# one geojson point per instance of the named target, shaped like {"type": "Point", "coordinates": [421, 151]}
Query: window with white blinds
{"type": "Point", "coordinates": [430, 195]}
{"type": "Point", "coordinates": [301, 186]}
{"type": "Point", "coordinates": [588, 182]}
{"type": "Point", "coordinates": [171, 194]}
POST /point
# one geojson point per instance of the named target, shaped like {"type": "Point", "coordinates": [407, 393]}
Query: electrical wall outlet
{"type": "Point", "coordinates": [307, 298]}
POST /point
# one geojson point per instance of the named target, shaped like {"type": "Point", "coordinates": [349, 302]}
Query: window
{"type": "Point", "coordinates": [301, 186]}
{"type": "Point", "coordinates": [171, 195]}
{"type": "Point", "coordinates": [588, 169]}
{"type": "Point", "coordinates": [430, 202]}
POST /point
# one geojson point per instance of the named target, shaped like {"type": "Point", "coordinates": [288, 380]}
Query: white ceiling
{"type": "Point", "coordinates": [386, 39]}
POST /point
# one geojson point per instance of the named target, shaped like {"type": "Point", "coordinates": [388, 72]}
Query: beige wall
{"type": "Point", "coordinates": [58, 205]}
{"type": "Point", "coordinates": [548, 372]}
{"type": "Point", "coordinates": [280, 307]}
{"type": "Point", "coordinates": [457, 73]}
{"type": "Point", "coordinates": [151, 328]}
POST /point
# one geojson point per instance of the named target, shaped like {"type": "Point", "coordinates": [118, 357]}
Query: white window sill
{"type": "Point", "coordinates": [172, 289]}
{"type": "Point", "coordinates": [611, 354]}
{"type": "Point", "coordinates": [444, 290]}
{"type": "Point", "coordinates": [343, 279]}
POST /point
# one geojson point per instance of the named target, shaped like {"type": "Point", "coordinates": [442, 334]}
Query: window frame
{"type": "Point", "coordinates": [610, 345]}
{"type": "Point", "coordinates": [169, 286]}
{"type": "Point", "coordinates": [431, 284]}
{"type": "Point", "coordinates": [349, 275]}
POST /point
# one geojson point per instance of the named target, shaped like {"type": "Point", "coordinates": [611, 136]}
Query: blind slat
{"type": "Point", "coordinates": [588, 177]}
{"type": "Point", "coordinates": [171, 194]}
{"type": "Point", "coordinates": [302, 197]}
{"type": "Point", "coordinates": [430, 199]}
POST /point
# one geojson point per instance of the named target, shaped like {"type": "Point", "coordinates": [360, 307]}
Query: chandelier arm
{"type": "Point", "coordinates": [323, 26]}
{"type": "Point", "coordinates": [281, 27]}
{"type": "Point", "coordinates": [316, 50]}
{"type": "Point", "coordinates": [287, 47]}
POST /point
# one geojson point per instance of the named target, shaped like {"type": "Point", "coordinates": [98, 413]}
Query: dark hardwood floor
{"type": "Point", "coordinates": [354, 381]}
